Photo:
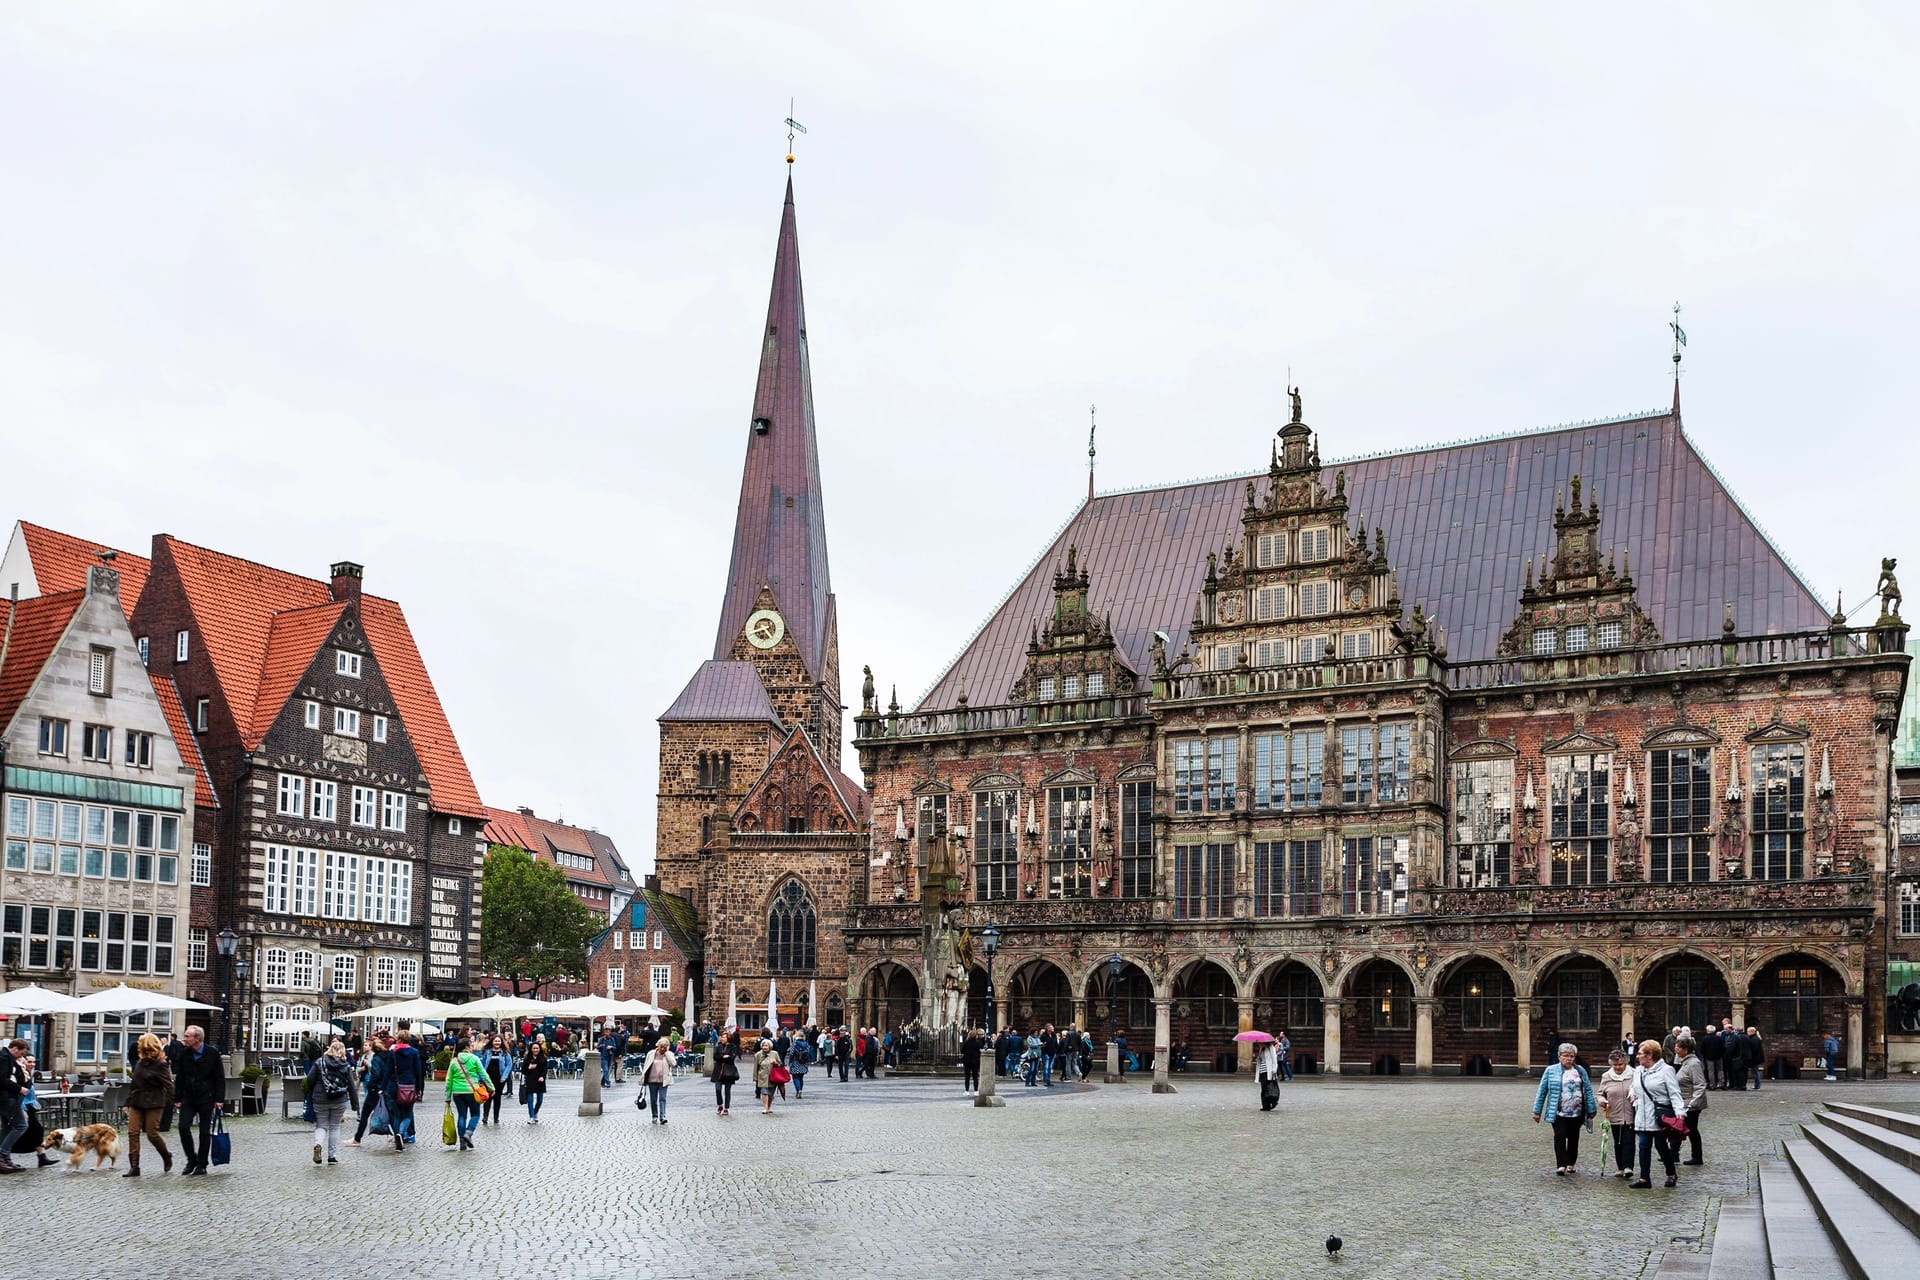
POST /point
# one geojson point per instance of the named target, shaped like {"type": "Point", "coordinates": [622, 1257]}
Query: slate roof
{"type": "Point", "coordinates": [1460, 521]}
{"type": "Point", "coordinates": [723, 691]}
{"type": "Point", "coordinates": [238, 605]}
{"type": "Point", "coordinates": [60, 563]}
{"type": "Point", "coordinates": [675, 915]}
{"type": "Point", "coordinates": [780, 530]}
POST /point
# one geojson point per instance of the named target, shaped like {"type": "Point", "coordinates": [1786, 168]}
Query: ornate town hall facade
{"type": "Point", "coordinates": [1429, 759]}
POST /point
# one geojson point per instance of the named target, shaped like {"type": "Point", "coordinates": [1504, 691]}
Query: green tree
{"type": "Point", "coordinates": [532, 927]}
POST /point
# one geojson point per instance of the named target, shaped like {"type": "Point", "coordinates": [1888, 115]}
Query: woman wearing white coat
{"type": "Point", "coordinates": [1656, 1094]}
{"type": "Point", "coordinates": [1267, 1071]}
{"type": "Point", "coordinates": [656, 1073]}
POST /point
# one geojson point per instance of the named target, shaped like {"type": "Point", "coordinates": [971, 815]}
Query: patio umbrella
{"type": "Point", "coordinates": [126, 999]}
{"type": "Point", "coordinates": [413, 1010]}
{"type": "Point", "coordinates": [31, 1002]}
{"type": "Point", "coordinates": [282, 1025]}
{"type": "Point", "coordinates": [1253, 1037]}
{"type": "Point", "coordinates": [496, 1007]}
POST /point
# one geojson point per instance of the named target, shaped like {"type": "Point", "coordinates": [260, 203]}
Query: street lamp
{"type": "Point", "coordinates": [240, 968]}
{"type": "Point", "coordinates": [328, 993]}
{"type": "Point", "coordinates": [990, 943]}
{"type": "Point", "coordinates": [227, 941]}
{"type": "Point", "coordinates": [1114, 963]}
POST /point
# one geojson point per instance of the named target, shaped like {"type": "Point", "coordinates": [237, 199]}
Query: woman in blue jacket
{"type": "Point", "coordinates": [1565, 1096]}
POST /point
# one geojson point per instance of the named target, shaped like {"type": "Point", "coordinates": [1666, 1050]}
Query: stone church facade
{"type": "Point", "coordinates": [1431, 759]}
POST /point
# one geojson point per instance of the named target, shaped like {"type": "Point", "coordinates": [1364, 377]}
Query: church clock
{"type": "Point", "coordinates": [764, 628]}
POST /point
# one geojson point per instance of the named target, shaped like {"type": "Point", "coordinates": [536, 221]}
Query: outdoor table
{"type": "Point", "coordinates": [62, 1105]}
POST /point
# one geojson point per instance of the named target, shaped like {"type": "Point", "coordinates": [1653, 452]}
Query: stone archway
{"type": "Point", "coordinates": [1793, 1000]}
{"type": "Point", "coordinates": [1122, 1006]}
{"type": "Point", "coordinates": [1685, 989]}
{"type": "Point", "coordinates": [890, 997]}
{"type": "Point", "coordinates": [1476, 1016]}
{"type": "Point", "coordinates": [1378, 1023]}
{"type": "Point", "coordinates": [1290, 997]}
{"type": "Point", "coordinates": [1039, 993]}
{"type": "Point", "coordinates": [1579, 1001]}
{"type": "Point", "coordinates": [977, 999]}
{"type": "Point", "coordinates": [1205, 1017]}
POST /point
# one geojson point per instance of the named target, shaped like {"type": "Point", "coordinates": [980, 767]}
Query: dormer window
{"type": "Point", "coordinates": [1314, 544]}
{"type": "Point", "coordinates": [1096, 684]}
{"type": "Point", "coordinates": [1269, 603]}
{"type": "Point", "coordinates": [1610, 635]}
{"type": "Point", "coordinates": [1046, 688]}
{"type": "Point", "coordinates": [1576, 639]}
{"type": "Point", "coordinates": [1546, 640]}
{"type": "Point", "coordinates": [1269, 550]}
{"type": "Point", "coordinates": [1070, 687]}
{"type": "Point", "coordinates": [346, 664]}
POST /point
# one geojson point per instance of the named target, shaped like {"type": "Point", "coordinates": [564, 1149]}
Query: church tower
{"type": "Point", "coordinates": [758, 828]}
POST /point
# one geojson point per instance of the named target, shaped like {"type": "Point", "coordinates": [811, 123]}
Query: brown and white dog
{"type": "Point", "coordinates": [101, 1139]}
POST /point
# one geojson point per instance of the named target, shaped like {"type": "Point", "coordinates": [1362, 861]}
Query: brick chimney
{"type": "Point", "coordinates": [526, 812]}
{"type": "Point", "coordinates": [346, 581]}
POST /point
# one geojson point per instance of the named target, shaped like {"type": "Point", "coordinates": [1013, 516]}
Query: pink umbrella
{"type": "Point", "coordinates": [1253, 1037]}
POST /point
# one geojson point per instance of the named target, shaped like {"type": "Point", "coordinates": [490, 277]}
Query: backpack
{"type": "Point", "coordinates": [826, 1048]}
{"type": "Point", "coordinates": [336, 1078]}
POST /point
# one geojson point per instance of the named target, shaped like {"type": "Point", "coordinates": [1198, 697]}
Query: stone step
{"type": "Point", "coordinates": [1894, 1186]}
{"type": "Point", "coordinates": [1682, 1264]}
{"type": "Point", "coordinates": [1872, 1244]}
{"type": "Point", "coordinates": [1889, 1143]}
{"type": "Point", "coordinates": [1904, 1122]}
{"type": "Point", "coordinates": [1739, 1241]}
{"type": "Point", "coordinates": [1796, 1240]}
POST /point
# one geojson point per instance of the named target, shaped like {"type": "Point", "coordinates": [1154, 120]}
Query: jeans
{"type": "Point", "coordinates": [657, 1100]}
{"type": "Point", "coordinates": [466, 1114]}
{"type": "Point", "coordinates": [14, 1117]}
{"type": "Point", "coordinates": [799, 1081]}
{"type": "Point", "coordinates": [1286, 1068]}
{"type": "Point", "coordinates": [533, 1101]}
{"type": "Point", "coordinates": [196, 1154]}
{"type": "Point", "coordinates": [1046, 1069]}
{"type": "Point", "coordinates": [326, 1125]}
{"type": "Point", "coordinates": [1668, 1148]}
{"type": "Point", "coordinates": [606, 1070]}
{"type": "Point", "coordinates": [723, 1094]}
{"type": "Point", "coordinates": [1566, 1141]}
{"type": "Point", "coordinates": [1623, 1147]}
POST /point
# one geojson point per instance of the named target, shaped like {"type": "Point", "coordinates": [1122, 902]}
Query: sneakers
{"type": "Point", "coordinates": [332, 1160]}
{"type": "Point", "coordinates": [316, 1153]}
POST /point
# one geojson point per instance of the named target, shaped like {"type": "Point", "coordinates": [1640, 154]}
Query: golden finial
{"type": "Point", "coordinates": [793, 127]}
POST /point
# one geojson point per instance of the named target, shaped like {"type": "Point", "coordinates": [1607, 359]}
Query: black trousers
{"type": "Point", "coordinates": [723, 1093]}
{"type": "Point", "coordinates": [196, 1154]}
{"type": "Point", "coordinates": [490, 1109]}
{"type": "Point", "coordinates": [1693, 1136]}
{"type": "Point", "coordinates": [970, 1076]}
{"type": "Point", "coordinates": [1623, 1147]}
{"type": "Point", "coordinates": [1566, 1141]}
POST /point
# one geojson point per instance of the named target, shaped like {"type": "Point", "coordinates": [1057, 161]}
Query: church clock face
{"type": "Point", "coordinates": [764, 628]}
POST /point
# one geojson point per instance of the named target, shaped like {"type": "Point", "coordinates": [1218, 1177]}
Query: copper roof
{"type": "Point", "coordinates": [1460, 520]}
{"type": "Point", "coordinates": [723, 691]}
{"type": "Point", "coordinates": [780, 530]}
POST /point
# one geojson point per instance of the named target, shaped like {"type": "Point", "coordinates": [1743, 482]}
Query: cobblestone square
{"type": "Point", "coordinates": [1421, 1178]}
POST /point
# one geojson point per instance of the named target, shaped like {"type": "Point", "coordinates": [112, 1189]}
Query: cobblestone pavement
{"type": "Point", "coordinates": [1422, 1178]}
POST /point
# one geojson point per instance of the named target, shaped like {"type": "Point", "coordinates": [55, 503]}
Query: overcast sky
{"type": "Point", "coordinates": [472, 293]}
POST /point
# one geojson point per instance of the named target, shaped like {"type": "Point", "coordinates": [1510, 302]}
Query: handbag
{"type": "Point", "coordinates": [378, 1122]}
{"type": "Point", "coordinates": [475, 1084]}
{"type": "Point", "coordinates": [729, 1073]}
{"type": "Point", "coordinates": [407, 1094]}
{"type": "Point", "coordinates": [779, 1074]}
{"type": "Point", "coordinates": [219, 1146]}
{"type": "Point", "coordinates": [449, 1132]}
{"type": "Point", "coordinates": [1673, 1124]}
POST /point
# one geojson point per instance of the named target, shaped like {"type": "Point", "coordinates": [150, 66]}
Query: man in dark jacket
{"type": "Point", "coordinates": [1734, 1053]}
{"type": "Point", "coordinates": [1710, 1055]}
{"type": "Point", "coordinates": [14, 1083]}
{"type": "Point", "coordinates": [200, 1087]}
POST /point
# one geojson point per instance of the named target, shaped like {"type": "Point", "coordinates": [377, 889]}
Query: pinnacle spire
{"type": "Point", "coordinates": [780, 530]}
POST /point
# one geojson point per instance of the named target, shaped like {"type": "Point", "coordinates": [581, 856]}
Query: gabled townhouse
{"type": "Point", "coordinates": [344, 863]}
{"type": "Point", "coordinates": [595, 871]}
{"type": "Point", "coordinates": [99, 793]}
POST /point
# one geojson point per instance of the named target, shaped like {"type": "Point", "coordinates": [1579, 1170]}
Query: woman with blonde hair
{"type": "Point", "coordinates": [330, 1089]}
{"type": "Point", "coordinates": [656, 1073]}
{"type": "Point", "coordinates": [147, 1102]}
{"type": "Point", "coordinates": [1656, 1098]}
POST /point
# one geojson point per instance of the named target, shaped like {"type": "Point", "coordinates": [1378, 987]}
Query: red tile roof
{"type": "Point", "coordinates": [1460, 521]}
{"type": "Point", "coordinates": [29, 630]}
{"type": "Point", "coordinates": [237, 604]}
{"type": "Point", "coordinates": [184, 739]}
{"type": "Point", "coordinates": [541, 836]}
{"type": "Point", "coordinates": [60, 563]}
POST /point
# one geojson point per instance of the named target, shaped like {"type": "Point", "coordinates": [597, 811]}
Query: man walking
{"type": "Point", "coordinates": [1284, 1051]}
{"type": "Point", "coordinates": [1735, 1052]}
{"type": "Point", "coordinates": [1049, 1047]}
{"type": "Point", "coordinates": [608, 1047]}
{"type": "Point", "coordinates": [200, 1087]}
{"type": "Point", "coordinates": [1711, 1059]}
{"type": "Point", "coordinates": [1830, 1050]}
{"type": "Point", "coordinates": [14, 1083]}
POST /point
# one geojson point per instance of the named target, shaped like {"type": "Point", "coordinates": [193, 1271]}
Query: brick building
{"type": "Point", "coordinates": [1903, 891]}
{"type": "Point", "coordinates": [1430, 759]}
{"type": "Point", "coordinates": [595, 872]}
{"type": "Point", "coordinates": [759, 830]}
{"type": "Point", "coordinates": [101, 791]}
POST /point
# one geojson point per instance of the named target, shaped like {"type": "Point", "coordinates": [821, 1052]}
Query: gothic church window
{"type": "Point", "coordinates": [790, 930]}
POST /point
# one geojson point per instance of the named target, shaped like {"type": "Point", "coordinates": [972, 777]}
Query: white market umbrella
{"type": "Point", "coordinates": [494, 1007]}
{"type": "Point", "coordinates": [284, 1025]}
{"type": "Point", "coordinates": [773, 1013]}
{"type": "Point", "coordinates": [413, 1010]}
{"type": "Point", "coordinates": [31, 1002]}
{"type": "Point", "coordinates": [126, 999]}
{"type": "Point", "coordinates": [589, 1007]}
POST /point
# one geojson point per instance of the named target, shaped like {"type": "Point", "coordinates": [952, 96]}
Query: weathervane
{"type": "Point", "coordinates": [793, 127]}
{"type": "Point", "coordinates": [1092, 426]}
{"type": "Point", "coordinates": [1679, 338]}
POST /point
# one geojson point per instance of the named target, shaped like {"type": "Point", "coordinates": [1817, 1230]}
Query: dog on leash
{"type": "Point", "coordinates": [101, 1139]}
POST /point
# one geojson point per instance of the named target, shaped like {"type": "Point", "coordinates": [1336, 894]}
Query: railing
{"type": "Point", "coordinates": [1029, 911]}
{"type": "Point", "coordinates": [1013, 717]}
{"type": "Point", "coordinates": [1671, 659]}
{"type": "Point", "coordinates": [776, 840]}
{"type": "Point", "coordinates": [1292, 678]}
{"type": "Point", "coordinates": [1825, 892]}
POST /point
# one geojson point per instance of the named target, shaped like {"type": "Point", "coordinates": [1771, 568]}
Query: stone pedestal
{"type": "Point", "coordinates": [1162, 1048]}
{"type": "Point", "coordinates": [590, 1086]}
{"type": "Point", "coordinates": [1330, 1037]}
{"type": "Point", "coordinates": [1113, 1064]}
{"type": "Point", "coordinates": [1423, 1037]}
{"type": "Point", "coordinates": [985, 1097]}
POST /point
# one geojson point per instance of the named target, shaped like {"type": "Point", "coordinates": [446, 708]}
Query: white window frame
{"type": "Point", "coordinates": [139, 749]}
{"type": "Point", "coordinates": [637, 940]}
{"type": "Point", "coordinates": [303, 970]}
{"type": "Point", "coordinates": [365, 811]}
{"type": "Point", "coordinates": [393, 811]}
{"type": "Point", "coordinates": [306, 882]}
{"type": "Point", "coordinates": [1270, 602]}
{"type": "Point", "coordinates": [409, 976]}
{"type": "Point", "coordinates": [182, 646]}
{"type": "Point", "coordinates": [1316, 598]}
{"type": "Point", "coordinates": [1270, 653]}
{"type": "Point", "coordinates": [313, 715]}
{"type": "Point", "coordinates": [273, 968]}
{"type": "Point", "coordinates": [200, 714]}
{"type": "Point", "coordinates": [196, 950]}
{"type": "Point", "coordinates": [1908, 924]}
{"type": "Point", "coordinates": [399, 892]}
{"type": "Point", "coordinates": [1356, 644]}
{"type": "Point", "coordinates": [142, 645]}
{"type": "Point", "coordinates": [345, 973]}
{"type": "Point", "coordinates": [346, 722]}
{"type": "Point", "coordinates": [1269, 550]}
{"type": "Point", "coordinates": [453, 826]}
{"type": "Point", "coordinates": [291, 799]}
{"type": "Point", "coordinates": [100, 672]}
{"type": "Point", "coordinates": [385, 976]}
{"type": "Point", "coordinates": [200, 869]}
{"type": "Point", "coordinates": [663, 977]}
{"type": "Point", "coordinates": [1546, 642]}
{"type": "Point", "coordinates": [659, 939]}
{"type": "Point", "coordinates": [324, 803]}
{"type": "Point", "coordinates": [616, 980]}
{"type": "Point", "coordinates": [346, 663]}
{"type": "Point", "coordinates": [1316, 544]}
{"type": "Point", "coordinates": [277, 888]}
{"type": "Point", "coordinates": [379, 728]}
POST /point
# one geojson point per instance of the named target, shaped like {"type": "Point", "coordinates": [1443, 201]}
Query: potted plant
{"type": "Point", "coordinates": [441, 1061]}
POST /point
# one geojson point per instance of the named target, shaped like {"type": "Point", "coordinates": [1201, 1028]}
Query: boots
{"type": "Point", "coordinates": [166, 1157]}
{"type": "Point", "coordinates": [133, 1165]}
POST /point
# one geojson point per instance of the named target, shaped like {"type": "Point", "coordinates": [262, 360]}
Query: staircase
{"type": "Point", "coordinates": [1844, 1202]}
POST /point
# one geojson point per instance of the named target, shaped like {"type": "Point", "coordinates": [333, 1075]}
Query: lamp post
{"type": "Point", "coordinates": [984, 1096]}
{"type": "Point", "coordinates": [708, 1050]}
{"type": "Point", "coordinates": [227, 941]}
{"type": "Point", "coordinates": [327, 994]}
{"type": "Point", "coordinates": [1114, 965]}
{"type": "Point", "coordinates": [240, 968]}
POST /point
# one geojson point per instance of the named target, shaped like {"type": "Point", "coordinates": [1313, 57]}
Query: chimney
{"type": "Point", "coordinates": [526, 812]}
{"type": "Point", "coordinates": [346, 581]}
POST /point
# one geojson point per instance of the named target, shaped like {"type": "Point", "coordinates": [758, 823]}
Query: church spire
{"type": "Point", "coordinates": [780, 530]}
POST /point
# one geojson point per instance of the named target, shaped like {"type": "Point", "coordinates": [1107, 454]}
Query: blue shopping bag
{"type": "Point", "coordinates": [220, 1144]}
{"type": "Point", "coordinates": [377, 1122]}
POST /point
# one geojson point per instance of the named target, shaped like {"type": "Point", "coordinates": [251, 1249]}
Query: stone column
{"type": "Point", "coordinates": [1628, 1009]}
{"type": "Point", "coordinates": [1244, 1060]}
{"type": "Point", "coordinates": [1526, 1008]}
{"type": "Point", "coordinates": [986, 1097]}
{"type": "Point", "coordinates": [1423, 1036]}
{"type": "Point", "coordinates": [590, 1087]}
{"type": "Point", "coordinates": [1740, 1013]}
{"type": "Point", "coordinates": [1114, 1075]}
{"type": "Point", "coordinates": [1080, 1015]}
{"type": "Point", "coordinates": [1162, 1047]}
{"type": "Point", "coordinates": [1330, 1034]}
{"type": "Point", "coordinates": [1856, 1038]}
